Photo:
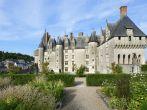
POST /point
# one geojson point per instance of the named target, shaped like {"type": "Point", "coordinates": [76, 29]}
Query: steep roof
{"type": "Point", "coordinates": [93, 37]}
{"type": "Point", "coordinates": [119, 28]}
{"type": "Point", "coordinates": [59, 41]}
{"type": "Point", "coordinates": [44, 40]}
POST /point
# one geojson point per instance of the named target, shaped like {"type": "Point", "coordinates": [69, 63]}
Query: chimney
{"type": "Point", "coordinates": [80, 34]}
{"type": "Point", "coordinates": [123, 11]}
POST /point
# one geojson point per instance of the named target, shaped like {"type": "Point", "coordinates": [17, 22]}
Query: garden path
{"type": "Point", "coordinates": [82, 97]}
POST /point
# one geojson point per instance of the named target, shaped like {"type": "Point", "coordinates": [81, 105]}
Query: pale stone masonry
{"type": "Point", "coordinates": [121, 43]}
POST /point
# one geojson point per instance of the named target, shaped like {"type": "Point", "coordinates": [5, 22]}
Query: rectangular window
{"type": "Point", "coordinates": [119, 38]}
{"type": "Point", "coordinates": [72, 56]}
{"type": "Point", "coordinates": [87, 56]}
{"type": "Point", "coordinates": [66, 56]}
{"type": "Point", "coordinates": [139, 38]}
{"type": "Point", "coordinates": [129, 38]}
{"type": "Point", "coordinates": [87, 69]}
{"type": "Point", "coordinates": [66, 51]}
{"type": "Point", "coordinates": [66, 68]}
{"type": "Point", "coordinates": [87, 62]}
{"type": "Point", "coordinates": [72, 62]}
{"type": "Point", "coordinates": [66, 62]}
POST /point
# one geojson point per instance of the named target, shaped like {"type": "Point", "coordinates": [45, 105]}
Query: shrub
{"type": "Point", "coordinates": [25, 98]}
{"type": "Point", "coordinates": [109, 88]}
{"type": "Point", "coordinates": [67, 79]}
{"type": "Point", "coordinates": [98, 79]}
{"type": "Point", "coordinates": [118, 103]}
{"type": "Point", "coordinates": [144, 68]}
{"type": "Point", "coordinates": [53, 87]}
{"type": "Point", "coordinates": [4, 82]}
{"type": "Point", "coordinates": [19, 79]}
{"type": "Point", "coordinates": [80, 71]}
{"type": "Point", "coordinates": [123, 86]}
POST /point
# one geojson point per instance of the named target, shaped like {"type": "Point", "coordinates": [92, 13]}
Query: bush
{"type": "Point", "coordinates": [118, 103]}
{"type": "Point", "coordinates": [144, 68]}
{"type": "Point", "coordinates": [98, 79]}
{"type": "Point", "coordinates": [67, 79]}
{"type": "Point", "coordinates": [25, 98]}
{"type": "Point", "coordinates": [53, 87]}
{"type": "Point", "coordinates": [123, 86]}
{"type": "Point", "coordinates": [4, 83]}
{"type": "Point", "coordinates": [80, 71]}
{"type": "Point", "coordinates": [20, 79]}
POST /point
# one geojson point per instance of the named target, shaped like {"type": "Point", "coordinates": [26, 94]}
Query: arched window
{"type": "Point", "coordinates": [123, 59]}
{"type": "Point", "coordinates": [129, 59]}
{"type": "Point", "coordinates": [118, 58]}
{"type": "Point", "coordinates": [139, 59]}
{"type": "Point", "coordinates": [129, 38]}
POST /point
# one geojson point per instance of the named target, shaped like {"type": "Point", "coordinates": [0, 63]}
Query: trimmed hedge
{"type": "Point", "coordinates": [67, 79]}
{"type": "Point", "coordinates": [144, 68]}
{"type": "Point", "coordinates": [98, 79]}
{"type": "Point", "coordinates": [20, 79]}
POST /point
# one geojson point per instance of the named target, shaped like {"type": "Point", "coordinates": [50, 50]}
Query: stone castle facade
{"type": "Point", "coordinates": [121, 43]}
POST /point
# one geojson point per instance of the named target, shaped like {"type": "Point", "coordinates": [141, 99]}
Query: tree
{"type": "Point", "coordinates": [45, 69]}
{"type": "Point", "coordinates": [80, 71]}
{"type": "Point", "coordinates": [13, 69]}
{"type": "Point", "coordinates": [116, 69]}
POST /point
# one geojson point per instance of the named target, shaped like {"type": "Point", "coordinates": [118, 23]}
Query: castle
{"type": "Point", "coordinates": [121, 43]}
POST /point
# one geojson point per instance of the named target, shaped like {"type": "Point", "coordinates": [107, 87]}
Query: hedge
{"type": "Point", "coordinates": [98, 79]}
{"type": "Point", "coordinates": [144, 68]}
{"type": "Point", "coordinates": [20, 79]}
{"type": "Point", "coordinates": [67, 79]}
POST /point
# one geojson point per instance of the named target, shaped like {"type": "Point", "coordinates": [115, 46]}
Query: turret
{"type": "Point", "coordinates": [59, 56]}
{"type": "Point", "coordinates": [92, 49]}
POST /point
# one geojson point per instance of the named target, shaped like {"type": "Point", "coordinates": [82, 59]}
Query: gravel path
{"type": "Point", "coordinates": [81, 97]}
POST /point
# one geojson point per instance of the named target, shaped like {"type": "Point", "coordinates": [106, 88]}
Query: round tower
{"type": "Point", "coordinates": [59, 56]}
{"type": "Point", "coordinates": [92, 50]}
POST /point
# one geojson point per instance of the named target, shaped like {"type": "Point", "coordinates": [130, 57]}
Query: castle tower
{"type": "Point", "coordinates": [92, 49]}
{"type": "Point", "coordinates": [59, 56]}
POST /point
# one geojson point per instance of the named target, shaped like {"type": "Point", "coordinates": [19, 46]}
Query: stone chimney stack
{"type": "Point", "coordinates": [123, 11]}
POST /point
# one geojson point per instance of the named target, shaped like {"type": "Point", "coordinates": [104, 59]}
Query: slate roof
{"type": "Point", "coordinates": [93, 37]}
{"type": "Point", "coordinates": [59, 41]}
{"type": "Point", "coordinates": [119, 28]}
{"type": "Point", "coordinates": [44, 40]}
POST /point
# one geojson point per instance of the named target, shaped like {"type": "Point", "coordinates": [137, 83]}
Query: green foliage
{"type": "Point", "coordinates": [127, 92]}
{"type": "Point", "coordinates": [20, 79]}
{"type": "Point", "coordinates": [13, 69]}
{"type": "Point", "coordinates": [116, 69]}
{"type": "Point", "coordinates": [4, 82]}
{"type": "Point", "coordinates": [15, 56]}
{"type": "Point", "coordinates": [25, 98]}
{"type": "Point", "coordinates": [109, 88]}
{"type": "Point", "coordinates": [80, 71]}
{"type": "Point", "coordinates": [53, 87]}
{"type": "Point", "coordinates": [67, 79]}
{"type": "Point", "coordinates": [123, 86]}
{"type": "Point", "coordinates": [118, 103]}
{"type": "Point", "coordinates": [45, 69]}
{"type": "Point", "coordinates": [98, 79]}
{"type": "Point", "coordinates": [138, 91]}
{"type": "Point", "coordinates": [144, 68]}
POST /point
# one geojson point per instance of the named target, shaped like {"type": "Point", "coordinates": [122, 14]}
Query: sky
{"type": "Point", "coordinates": [23, 22]}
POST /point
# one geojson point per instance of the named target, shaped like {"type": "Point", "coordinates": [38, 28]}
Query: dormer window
{"type": "Point", "coordinates": [129, 38]}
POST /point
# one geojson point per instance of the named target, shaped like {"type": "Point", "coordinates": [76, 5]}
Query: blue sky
{"type": "Point", "coordinates": [22, 22]}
